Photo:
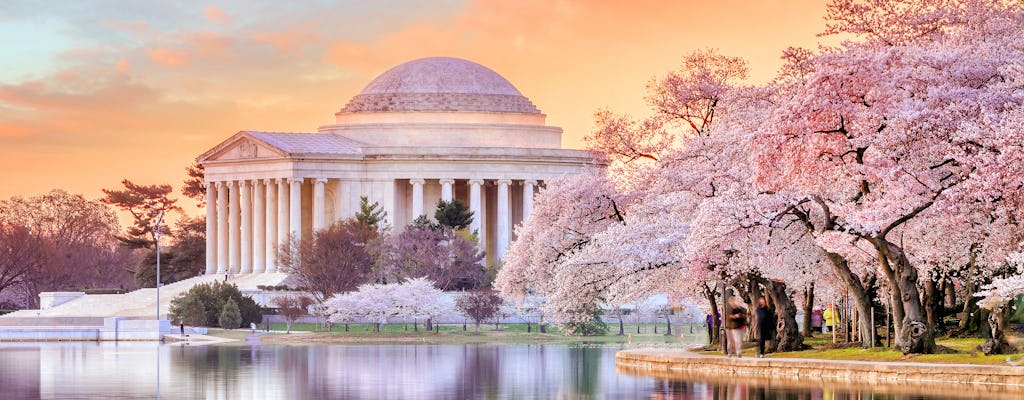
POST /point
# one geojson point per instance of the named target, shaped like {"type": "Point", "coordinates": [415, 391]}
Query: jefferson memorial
{"type": "Point", "coordinates": [428, 129]}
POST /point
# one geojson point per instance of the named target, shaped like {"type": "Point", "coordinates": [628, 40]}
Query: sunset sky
{"type": "Point", "coordinates": [92, 92]}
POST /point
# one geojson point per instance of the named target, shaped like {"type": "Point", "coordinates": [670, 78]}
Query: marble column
{"type": "Point", "coordinates": [340, 200]}
{"type": "Point", "coordinates": [528, 186]}
{"type": "Point", "coordinates": [222, 227]}
{"type": "Point", "coordinates": [417, 197]}
{"type": "Point", "coordinates": [270, 244]}
{"type": "Point", "coordinates": [504, 218]}
{"type": "Point", "coordinates": [245, 191]}
{"type": "Point", "coordinates": [211, 228]}
{"type": "Point", "coordinates": [355, 192]}
{"type": "Point", "coordinates": [295, 207]}
{"type": "Point", "coordinates": [234, 230]}
{"type": "Point", "coordinates": [476, 206]}
{"type": "Point", "coordinates": [283, 215]}
{"type": "Point", "coordinates": [446, 189]}
{"type": "Point", "coordinates": [319, 205]}
{"type": "Point", "coordinates": [259, 232]}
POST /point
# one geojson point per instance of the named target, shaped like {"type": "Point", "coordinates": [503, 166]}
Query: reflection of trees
{"type": "Point", "coordinates": [480, 372]}
{"type": "Point", "coordinates": [585, 365]}
{"type": "Point", "coordinates": [19, 372]}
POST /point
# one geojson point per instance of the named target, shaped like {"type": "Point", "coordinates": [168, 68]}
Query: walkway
{"type": "Point", "coordinates": [881, 376]}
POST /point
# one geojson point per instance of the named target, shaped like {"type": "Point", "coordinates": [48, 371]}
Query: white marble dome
{"type": "Point", "coordinates": [440, 84]}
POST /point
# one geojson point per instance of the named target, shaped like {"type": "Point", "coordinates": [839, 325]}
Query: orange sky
{"type": "Point", "coordinates": [91, 94]}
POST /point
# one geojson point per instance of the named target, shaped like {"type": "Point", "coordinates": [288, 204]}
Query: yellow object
{"type": "Point", "coordinates": [830, 316]}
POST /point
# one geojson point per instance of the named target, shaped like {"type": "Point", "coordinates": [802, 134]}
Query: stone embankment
{"type": "Point", "coordinates": [878, 377]}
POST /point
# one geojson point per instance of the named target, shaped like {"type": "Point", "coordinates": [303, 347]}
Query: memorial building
{"type": "Point", "coordinates": [428, 129]}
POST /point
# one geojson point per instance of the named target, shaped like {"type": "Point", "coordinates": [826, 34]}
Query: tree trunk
{"type": "Point", "coordinates": [428, 324]}
{"type": "Point", "coordinates": [716, 320]}
{"type": "Point", "coordinates": [668, 321]}
{"type": "Point", "coordinates": [622, 327]}
{"type": "Point", "coordinates": [808, 309]}
{"type": "Point", "coordinates": [788, 337]}
{"type": "Point", "coordinates": [932, 303]}
{"type": "Point", "coordinates": [855, 286]}
{"type": "Point", "coordinates": [994, 331]}
{"type": "Point", "coordinates": [970, 321]}
{"type": "Point", "coordinates": [346, 327]}
{"type": "Point", "coordinates": [916, 337]}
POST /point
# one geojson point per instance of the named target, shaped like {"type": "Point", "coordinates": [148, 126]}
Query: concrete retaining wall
{"type": "Point", "coordinates": [912, 377]}
{"type": "Point", "coordinates": [112, 329]}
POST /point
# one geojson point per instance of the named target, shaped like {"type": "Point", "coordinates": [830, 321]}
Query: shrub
{"type": "Point", "coordinates": [594, 327]}
{"type": "Point", "coordinates": [213, 297]}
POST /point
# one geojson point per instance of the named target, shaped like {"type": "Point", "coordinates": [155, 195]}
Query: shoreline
{"type": "Point", "coordinates": [900, 376]}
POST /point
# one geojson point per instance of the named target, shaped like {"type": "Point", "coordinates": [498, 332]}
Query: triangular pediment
{"type": "Point", "coordinates": [242, 146]}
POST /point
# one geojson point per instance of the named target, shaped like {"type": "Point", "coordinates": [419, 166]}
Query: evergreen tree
{"type": "Point", "coordinates": [454, 214]}
{"type": "Point", "coordinates": [230, 316]}
{"type": "Point", "coordinates": [371, 214]}
{"type": "Point", "coordinates": [422, 222]}
{"type": "Point", "coordinates": [189, 311]}
{"type": "Point", "coordinates": [145, 203]}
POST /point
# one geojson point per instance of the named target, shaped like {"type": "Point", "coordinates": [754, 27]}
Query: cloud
{"type": "Point", "coordinates": [123, 66]}
{"type": "Point", "coordinates": [290, 38]}
{"type": "Point", "coordinates": [216, 15]}
{"type": "Point", "coordinates": [170, 58]}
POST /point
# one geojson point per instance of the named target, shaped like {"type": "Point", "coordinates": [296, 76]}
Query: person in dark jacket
{"type": "Point", "coordinates": [765, 325]}
{"type": "Point", "coordinates": [736, 324]}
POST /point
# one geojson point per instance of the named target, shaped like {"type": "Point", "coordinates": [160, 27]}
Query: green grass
{"type": "Point", "coordinates": [454, 334]}
{"type": "Point", "coordinates": [964, 352]}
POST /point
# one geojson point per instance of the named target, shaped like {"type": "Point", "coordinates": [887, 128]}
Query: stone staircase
{"type": "Point", "coordinates": [138, 304]}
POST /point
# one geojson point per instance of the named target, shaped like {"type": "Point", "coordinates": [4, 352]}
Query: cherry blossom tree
{"type": "Point", "coordinates": [877, 136]}
{"type": "Point", "coordinates": [421, 298]}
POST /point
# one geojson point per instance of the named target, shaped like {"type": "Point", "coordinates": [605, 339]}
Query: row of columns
{"type": "Point", "coordinates": [504, 211]}
{"type": "Point", "coordinates": [248, 220]}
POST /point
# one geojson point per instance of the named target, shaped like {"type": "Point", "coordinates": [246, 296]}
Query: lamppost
{"type": "Point", "coordinates": [156, 232]}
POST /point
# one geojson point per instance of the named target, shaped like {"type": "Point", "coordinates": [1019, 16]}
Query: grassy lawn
{"type": "Point", "coordinates": [454, 334]}
{"type": "Point", "coordinates": [963, 352]}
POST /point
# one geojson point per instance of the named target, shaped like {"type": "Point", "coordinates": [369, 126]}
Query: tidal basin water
{"type": "Point", "coordinates": [144, 370]}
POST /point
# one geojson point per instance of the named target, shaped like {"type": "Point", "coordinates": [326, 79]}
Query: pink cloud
{"type": "Point", "coordinates": [290, 38]}
{"type": "Point", "coordinates": [216, 15]}
{"type": "Point", "coordinates": [168, 57]}
{"type": "Point", "coordinates": [123, 66]}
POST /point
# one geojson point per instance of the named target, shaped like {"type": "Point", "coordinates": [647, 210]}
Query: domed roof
{"type": "Point", "coordinates": [440, 84]}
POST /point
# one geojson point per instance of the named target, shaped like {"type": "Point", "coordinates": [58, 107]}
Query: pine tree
{"type": "Point", "coordinates": [230, 316]}
{"type": "Point", "coordinates": [454, 214]}
{"type": "Point", "coordinates": [371, 214]}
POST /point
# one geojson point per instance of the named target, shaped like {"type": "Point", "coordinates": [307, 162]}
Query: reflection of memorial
{"type": "Point", "coordinates": [129, 370]}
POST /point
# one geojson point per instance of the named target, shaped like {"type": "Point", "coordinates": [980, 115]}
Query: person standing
{"type": "Point", "coordinates": [765, 325]}
{"type": "Point", "coordinates": [736, 323]}
{"type": "Point", "coordinates": [831, 317]}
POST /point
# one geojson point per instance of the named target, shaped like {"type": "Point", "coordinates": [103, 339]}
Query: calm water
{"type": "Point", "coordinates": [114, 371]}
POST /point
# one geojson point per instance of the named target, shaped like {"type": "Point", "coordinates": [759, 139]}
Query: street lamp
{"type": "Point", "coordinates": [156, 231]}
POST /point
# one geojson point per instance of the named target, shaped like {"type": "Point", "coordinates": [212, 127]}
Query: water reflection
{"type": "Point", "coordinates": [129, 370]}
